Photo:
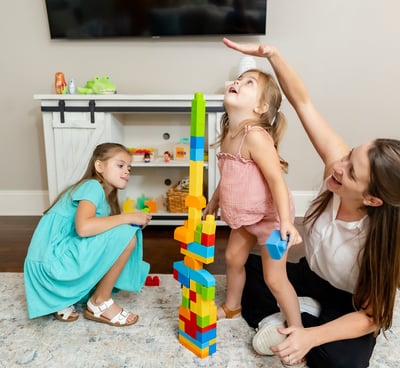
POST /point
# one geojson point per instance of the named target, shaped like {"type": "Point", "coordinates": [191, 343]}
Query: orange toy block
{"type": "Point", "coordinates": [152, 205]}
{"type": "Point", "coordinates": [198, 202]}
{"type": "Point", "coordinates": [183, 234]}
{"type": "Point", "coordinates": [192, 263]}
{"type": "Point", "coordinates": [184, 312]}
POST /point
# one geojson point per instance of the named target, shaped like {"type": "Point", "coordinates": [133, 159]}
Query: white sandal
{"type": "Point", "coordinates": [65, 315]}
{"type": "Point", "coordinates": [94, 313]}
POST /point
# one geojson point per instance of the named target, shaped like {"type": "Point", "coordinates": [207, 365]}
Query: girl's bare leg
{"type": "Point", "coordinates": [237, 251]}
{"type": "Point", "coordinates": [275, 277]}
{"type": "Point", "coordinates": [106, 284]}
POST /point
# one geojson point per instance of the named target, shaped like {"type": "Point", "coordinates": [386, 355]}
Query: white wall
{"type": "Point", "coordinates": [346, 51]}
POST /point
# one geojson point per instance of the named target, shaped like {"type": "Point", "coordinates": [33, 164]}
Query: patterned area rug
{"type": "Point", "coordinates": [151, 343]}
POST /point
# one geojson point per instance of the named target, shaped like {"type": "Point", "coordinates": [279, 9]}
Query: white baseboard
{"type": "Point", "coordinates": [23, 202]}
{"type": "Point", "coordinates": [33, 203]}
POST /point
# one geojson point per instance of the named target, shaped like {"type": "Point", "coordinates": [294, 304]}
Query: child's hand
{"type": "Point", "coordinates": [288, 229]}
{"type": "Point", "coordinates": [211, 209]}
{"type": "Point", "coordinates": [139, 218]}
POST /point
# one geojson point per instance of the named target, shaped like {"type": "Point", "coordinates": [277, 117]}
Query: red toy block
{"type": "Point", "coordinates": [207, 239]}
{"type": "Point", "coordinates": [152, 281]}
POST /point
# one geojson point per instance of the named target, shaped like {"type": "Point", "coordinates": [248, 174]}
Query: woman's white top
{"type": "Point", "coordinates": [333, 247]}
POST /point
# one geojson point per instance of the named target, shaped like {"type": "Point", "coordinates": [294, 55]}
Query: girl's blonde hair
{"type": "Point", "coordinates": [273, 120]}
{"type": "Point", "coordinates": [102, 152]}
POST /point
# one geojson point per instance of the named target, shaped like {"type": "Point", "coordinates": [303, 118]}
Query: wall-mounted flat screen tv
{"type": "Point", "coordinates": [86, 19]}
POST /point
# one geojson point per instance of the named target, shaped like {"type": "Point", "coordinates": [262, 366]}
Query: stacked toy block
{"type": "Point", "coordinates": [198, 312]}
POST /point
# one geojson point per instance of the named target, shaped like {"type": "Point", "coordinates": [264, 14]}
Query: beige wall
{"type": "Point", "coordinates": [347, 52]}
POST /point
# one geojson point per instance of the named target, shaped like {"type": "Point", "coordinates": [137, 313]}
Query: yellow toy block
{"type": "Point", "coordinates": [208, 308]}
{"type": "Point", "coordinates": [209, 225]}
{"type": "Point", "coordinates": [192, 263]}
{"type": "Point", "coordinates": [197, 257]}
{"type": "Point", "coordinates": [128, 206]}
{"type": "Point", "coordinates": [183, 234]}
{"type": "Point", "coordinates": [203, 307]}
{"type": "Point", "coordinates": [192, 285]}
{"type": "Point", "coordinates": [194, 218]}
{"type": "Point", "coordinates": [196, 178]}
{"type": "Point", "coordinates": [201, 353]}
{"type": "Point", "coordinates": [198, 202]}
{"type": "Point", "coordinates": [185, 291]}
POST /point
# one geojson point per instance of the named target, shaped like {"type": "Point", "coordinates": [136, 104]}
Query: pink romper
{"type": "Point", "coordinates": [245, 198]}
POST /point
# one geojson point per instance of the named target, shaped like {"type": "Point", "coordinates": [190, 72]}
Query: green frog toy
{"type": "Point", "coordinates": [98, 86]}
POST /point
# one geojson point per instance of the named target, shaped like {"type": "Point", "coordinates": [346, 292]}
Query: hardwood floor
{"type": "Point", "coordinates": [160, 248]}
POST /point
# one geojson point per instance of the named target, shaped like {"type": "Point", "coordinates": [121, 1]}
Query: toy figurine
{"type": "Point", "coordinates": [147, 157]}
{"type": "Point", "coordinates": [167, 156]}
{"type": "Point", "coordinates": [99, 86]}
{"type": "Point", "coordinates": [59, 83]}
{"type": "Point", "coordinates": [71, 86]}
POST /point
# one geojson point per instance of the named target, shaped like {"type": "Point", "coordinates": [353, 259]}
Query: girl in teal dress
{"type": "Point", "coordinates": [83, 244]}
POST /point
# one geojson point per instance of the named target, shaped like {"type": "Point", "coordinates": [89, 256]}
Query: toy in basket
{"type": "Point", "coordinates": [176, 196]}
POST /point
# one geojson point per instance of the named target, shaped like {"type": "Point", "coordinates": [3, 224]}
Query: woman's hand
{"type": "Point", "coordinates": [295, 347]}
{"type": "Point", "coordinates": [250, 49]}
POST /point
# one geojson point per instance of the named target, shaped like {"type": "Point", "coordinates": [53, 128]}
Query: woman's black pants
{"type": "Point", "coordinates": [258, 302]}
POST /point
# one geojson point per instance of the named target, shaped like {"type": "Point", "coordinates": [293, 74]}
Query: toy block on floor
{"type": "Point", "coordinates": [152, 281]}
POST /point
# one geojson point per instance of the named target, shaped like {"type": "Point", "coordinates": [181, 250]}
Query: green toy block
{"type": "Point", "coordinates": [198, 115]}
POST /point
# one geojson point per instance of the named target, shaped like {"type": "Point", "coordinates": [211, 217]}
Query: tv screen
{"type": "Point", "coordinates": [85, 19]}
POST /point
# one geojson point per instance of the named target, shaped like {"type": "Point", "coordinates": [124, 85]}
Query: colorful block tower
{"type": "Point", "coordinates": [198, 312]}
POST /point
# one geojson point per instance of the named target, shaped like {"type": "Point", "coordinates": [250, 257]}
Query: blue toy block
{"type": "Point", "coordinates": [183, 273]}
{"type": "Point", "coordinates": [203, 277]}
{"type": "Point", "coordinates": [197, 154]}
{"type": "Point", "coordinates": [275, 245]}
{"type": "Point", "coordinates": [201, 250]}
{"type": "Point", "coordinates": [206, 336]}
{"type": "Point", "coordinates": [197, 142]}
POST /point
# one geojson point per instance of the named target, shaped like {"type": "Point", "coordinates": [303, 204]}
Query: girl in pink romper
{"type": "Point", "coordinates": [252, 193]}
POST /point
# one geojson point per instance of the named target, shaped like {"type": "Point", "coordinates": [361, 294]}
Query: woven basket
{"type": "Point", "coordinates": [176, 199]}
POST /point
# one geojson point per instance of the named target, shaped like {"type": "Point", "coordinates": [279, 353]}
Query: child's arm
{"type": "Point", "coordinates": [263, 153]}
{"type": "Point", "coordinates": [213, 204]}
{"type": "Point", "coordinates": [87, 224]}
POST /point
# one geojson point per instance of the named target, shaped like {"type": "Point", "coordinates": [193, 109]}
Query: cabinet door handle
{"type": "Point", "coordinates": [92, 105]}
{"type": "Point", "coordinates": [61, 105]}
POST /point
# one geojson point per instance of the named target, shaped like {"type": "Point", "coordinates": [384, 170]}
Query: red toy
{"type": "Point", "coordinates": [152, 281]}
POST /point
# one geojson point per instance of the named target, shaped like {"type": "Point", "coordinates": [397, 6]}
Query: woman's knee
{"type": "Point", "coordinates": [354, 353]}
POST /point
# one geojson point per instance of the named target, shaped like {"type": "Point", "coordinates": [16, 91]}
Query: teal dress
{"type": "Point", "coordinates": [61, 267]}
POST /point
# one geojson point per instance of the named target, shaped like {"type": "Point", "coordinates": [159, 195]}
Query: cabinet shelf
{"type": "Point", "coordinates": [159, 162]}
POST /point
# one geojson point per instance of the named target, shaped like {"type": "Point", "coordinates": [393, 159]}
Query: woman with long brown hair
{"type": "Point", "coordinates": [352, 245]}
